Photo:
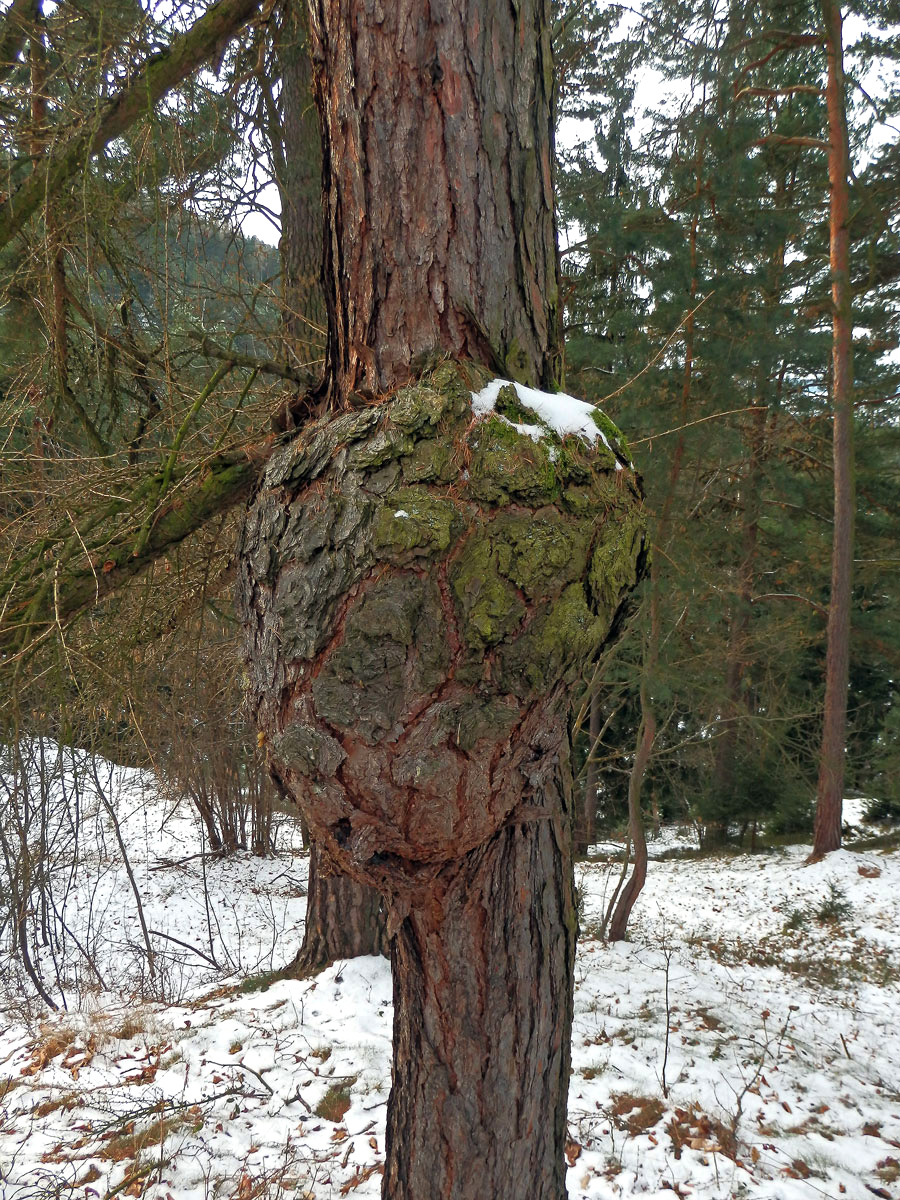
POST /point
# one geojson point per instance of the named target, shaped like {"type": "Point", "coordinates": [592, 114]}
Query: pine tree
{"type": "Point", "coordinates": [420, 718]}
{"type": "Point", "coordinates": [735, 169]}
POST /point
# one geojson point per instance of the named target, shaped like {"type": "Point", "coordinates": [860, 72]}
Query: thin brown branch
{"type": "Point", "coordinates": [780, 139]}
{"type": "Point", "coordinates": [668, 342]}
{"type": "Point", "coordinates": [34, 606]}
{"type": "Point", "coordinates": [819, 608]}
{"type": "Point", "coordinates": [700, 420]}
{"type": "Point", "coordinates": [267, 366]}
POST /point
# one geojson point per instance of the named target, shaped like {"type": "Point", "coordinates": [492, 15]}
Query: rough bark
{"type": "Point", "coordinates": [438, 170]}
{"type": "Point", "coordinates": [420, 590]}
{"type": "Point", "coordinates": [482, 1021]}
{"type": "Point", "coordinates": [344, 919]}
{"type": "Point", "coordinates": [829, 798]}
{"type": "Point", "coordinates": [586, 824]}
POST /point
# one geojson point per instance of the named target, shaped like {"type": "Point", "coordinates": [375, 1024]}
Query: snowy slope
{"type": "Point", "coordinates": [737, 1046]}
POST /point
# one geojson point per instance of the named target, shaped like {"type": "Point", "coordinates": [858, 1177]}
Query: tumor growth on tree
{"type": "Point", "coordinates": [421, 587]}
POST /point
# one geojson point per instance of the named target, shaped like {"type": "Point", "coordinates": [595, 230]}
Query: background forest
{"type": "Point", "coordinates": [152, 350]}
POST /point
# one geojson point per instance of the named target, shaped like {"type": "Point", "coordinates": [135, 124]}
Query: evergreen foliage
{"type": "Point", "coordinates": [698, 303]}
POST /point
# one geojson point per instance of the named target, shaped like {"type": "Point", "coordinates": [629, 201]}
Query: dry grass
{"type": "Point", "coordinates": [334, 1104]}
{"type": "Point", "coordinates": [134, 1025]}
{"type": "Point", "coordinates": [636, 1114]}
{"type": "Point", "coordinates": [130, 1141]}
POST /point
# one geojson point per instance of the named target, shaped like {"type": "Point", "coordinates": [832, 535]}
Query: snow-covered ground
{"type": "Point", "coordinates": [742, 1043]}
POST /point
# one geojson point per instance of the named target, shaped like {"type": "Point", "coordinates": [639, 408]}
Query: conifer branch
{"type": "Point", "coordinates": [161, 73]}
{"type": "Point", "coordinates": [14, 31]}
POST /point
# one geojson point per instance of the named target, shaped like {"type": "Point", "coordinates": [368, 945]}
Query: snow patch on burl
{"type": "Point", "coordinates": [556, 411]}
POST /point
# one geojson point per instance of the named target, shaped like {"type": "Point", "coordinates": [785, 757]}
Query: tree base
{"type": "Point", "coordinates": [483, 982]}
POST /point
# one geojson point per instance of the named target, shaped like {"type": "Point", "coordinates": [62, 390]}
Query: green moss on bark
{"type": "Point", "coordinates": [414, 523]}
{"type": "Point", "coordinates": [488, 605]}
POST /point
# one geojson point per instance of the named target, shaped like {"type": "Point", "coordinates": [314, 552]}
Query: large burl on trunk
{"type": "Point", "coordinates": [421, 587]}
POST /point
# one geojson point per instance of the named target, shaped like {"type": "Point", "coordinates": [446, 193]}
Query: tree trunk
{"type": "Point", "coordinates": [633, 888]}
{"type": "Point", "coordinates": [344, 919]}
{"type": "Point", "coordinates": [586, 824]}
{"type": "Point", "coordinates": [482, 1022]}
{"type": "Point", "coordinates": [298, 172]}
{"type": "Point", "coordinates": [422, 587]}
{"type": "Point", "coordinates": [829, 799]}
{"type": "Point", "coordinates": [401, 676]}
{"type": "Point", "coordinates": [438, 183]}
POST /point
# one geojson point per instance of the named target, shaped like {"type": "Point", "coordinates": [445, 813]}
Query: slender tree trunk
{"type": "Point", "coordinates": [829, 799]}
{"type": "Point", "coordinates": [618, 912]}
{"type": "Point", "coordinates": [629, 894]}
{"type": "Point", "coordinates": [344, 919]}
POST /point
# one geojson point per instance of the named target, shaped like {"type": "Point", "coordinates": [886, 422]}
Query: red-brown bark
{"type": "Point", "coordinates": [298, 173]}
{"type": "Point", "coordinates": [344, 918]}
{"type": "Point", "coordinates": [829, 799]}
{"type": "Point", "coordinates": [482, 1020]}
{"type": "Point", "coordinates": [411, 651]}
{"type": "Point", "coordinates": [438, 153]}
{"type": "Point", "coordinates": [420, 589]}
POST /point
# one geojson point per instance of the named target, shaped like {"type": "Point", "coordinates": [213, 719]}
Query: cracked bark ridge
{"type": "Point", "coordinates": [438, 151]}
{"type": "Point", "coordinates": [419, 590]}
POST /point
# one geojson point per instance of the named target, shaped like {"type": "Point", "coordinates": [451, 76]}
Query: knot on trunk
{"type": "Point", "coordinates": [420, 586]}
